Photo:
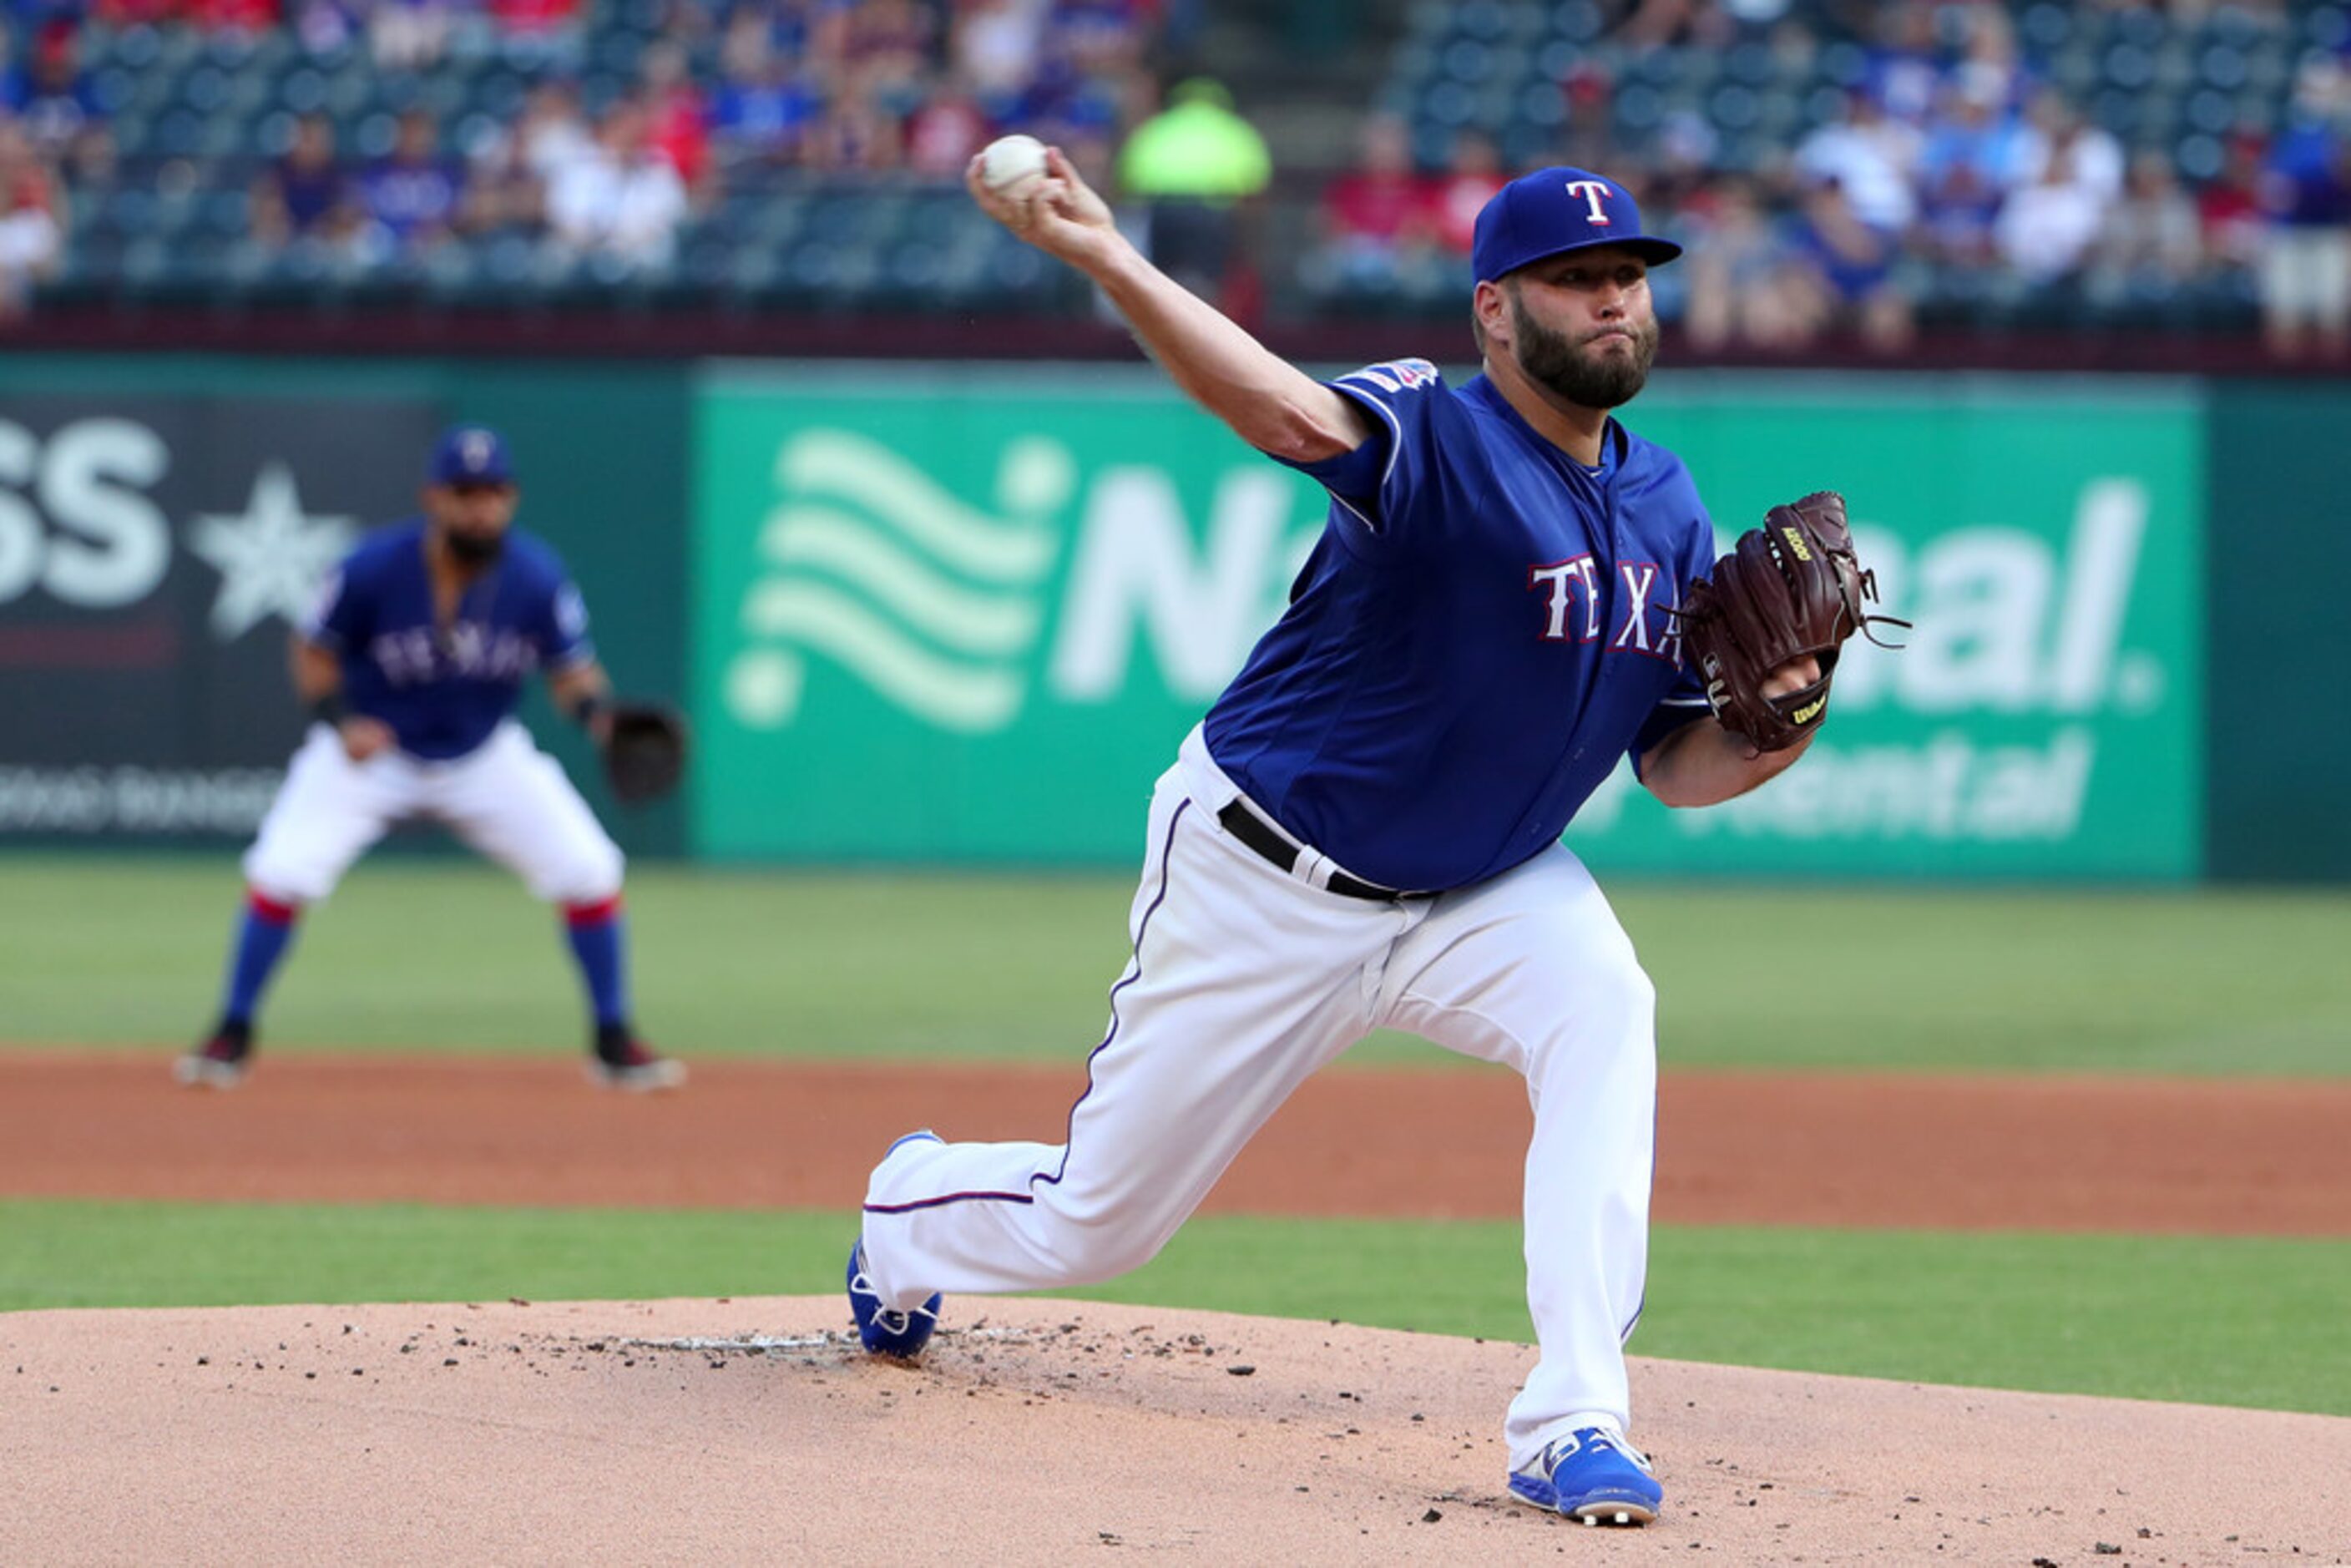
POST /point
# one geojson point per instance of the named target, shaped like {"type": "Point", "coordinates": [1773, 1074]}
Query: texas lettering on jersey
{"type": "Point", "coordinates": [467, 651]}
{"type": "Point", "coordinates": [445, 689]}
{"type": "Point", "coordinates": [1645, 615]}
{"type": "Point", "coordinates": [1482, 617]}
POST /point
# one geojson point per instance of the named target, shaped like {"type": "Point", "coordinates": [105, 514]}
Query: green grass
{"type": "Point", "coordinates": [2231, 1321]}
{"type": "Point", "coordinates": [434, 955]}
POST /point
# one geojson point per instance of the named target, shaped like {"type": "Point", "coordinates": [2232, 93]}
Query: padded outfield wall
{"type": "Point", "coordinates": [962, 614]}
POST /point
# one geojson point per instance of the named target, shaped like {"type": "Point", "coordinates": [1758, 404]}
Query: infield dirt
{"type": "Point", "coordinates": [2220, 1157]}
{"type": "Point", "coordinates": [751, 1431]}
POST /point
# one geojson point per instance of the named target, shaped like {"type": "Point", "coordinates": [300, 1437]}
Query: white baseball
{"type": "Point", "coordinates": [1008, 163]}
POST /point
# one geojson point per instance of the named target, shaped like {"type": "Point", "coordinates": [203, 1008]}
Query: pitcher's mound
{"type": "Point", "coordinates": [1047, 1431]}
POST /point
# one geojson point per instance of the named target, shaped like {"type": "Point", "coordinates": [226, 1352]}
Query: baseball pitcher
{"type": "Point", "coordinates": [1365, 832]}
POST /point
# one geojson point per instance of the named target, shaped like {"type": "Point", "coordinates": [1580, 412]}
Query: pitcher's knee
{"type": "Point", "coordinates": [1105, 1254]}
{"type": "Point", "coordinates": [1611, 999]}
{"type": "Point", "coordinates": [1613, 980]}
{"type": "Point", "coordinates": [1105, 1240]}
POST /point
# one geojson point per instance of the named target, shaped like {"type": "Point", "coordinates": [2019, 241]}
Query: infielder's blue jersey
{"type": "Point", "coordinates": [443, 689]}
{"type": "Point", "coordinates": [1482, 631]}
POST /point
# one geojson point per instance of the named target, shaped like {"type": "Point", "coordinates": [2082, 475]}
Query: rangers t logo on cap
{"type": "Point", "coordinates": [1595, 193]}
{"type": "Point", "coordinates": [1554, 210]}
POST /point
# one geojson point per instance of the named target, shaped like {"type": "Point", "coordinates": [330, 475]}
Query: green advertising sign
{"type": "Point", "coordinates": [969, 619]}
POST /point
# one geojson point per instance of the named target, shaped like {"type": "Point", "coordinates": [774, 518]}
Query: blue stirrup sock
{"type": "Point", "coordinates": [265, 930]}
{"type": "Point", "coordinates": [596, 932]}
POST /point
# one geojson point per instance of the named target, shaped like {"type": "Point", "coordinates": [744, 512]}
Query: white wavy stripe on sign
{"type": "Point", "coordinates": [952, 696]}
{"type": "Point", "coordinates": [963, 619]}
{"type": "Point", "coordinates": [910, 501]}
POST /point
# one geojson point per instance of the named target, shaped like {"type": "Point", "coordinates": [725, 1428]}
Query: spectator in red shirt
{"type": "Point", "coordinates": [1470, 181]}
{"type": "Point", "coordinates": [2229, 207]}
{"type": "Point", "coordinates": [233, 16]}
{"type": "Point", "coordinates": [119, 16]}
{"type": "Point", "coordinates": [676, 115]}
{"type": "Point", "coordinates": [534, 16]}
{"type": "Point", "coordinates": [1381, 215]}
{"type": "Point", "coordinates": [943, 134]}
{"type": "Point", "coordinates": [31, 220]}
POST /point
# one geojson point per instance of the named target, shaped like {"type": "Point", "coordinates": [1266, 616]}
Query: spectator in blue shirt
{"type": "Point", "coordinates": [2305, 195]}
{"type": "Point", "coordinates": [413, 198]}
{"type": "Point", "coordinates": [53, 99]}
{"type": "Point", "coordinates": [305, 194]}
{"type": "Point", "coordinates": [765, 114]}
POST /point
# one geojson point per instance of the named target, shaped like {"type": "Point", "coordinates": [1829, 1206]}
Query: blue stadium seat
{"type": "Point", "coordinates": [1578, 21]}
{"type": "Point", "coordinates": [1845, 63]}
{"type": "Point", "coordinates": [226, 214]}
{"type": "Point", "coordinates": [175, 133]}
{"type": "Point", "coordinates": [2128, 67]}
{"type": "Point", "coordinates": [2210, 110]}
{"type": "Point", "coordinates": [303, 89]}
{"type": "Point", "coordinates": [2045, 26]}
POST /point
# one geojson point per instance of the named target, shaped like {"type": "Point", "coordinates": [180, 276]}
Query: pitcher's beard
{"type": "Point", "coordinates": [1601, 379]}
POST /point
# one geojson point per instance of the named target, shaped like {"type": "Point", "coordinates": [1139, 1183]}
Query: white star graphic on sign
{"type": "Point", "coordinates": [271, 558]}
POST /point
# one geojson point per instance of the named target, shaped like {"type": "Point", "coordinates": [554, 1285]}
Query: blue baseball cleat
{"type": "Point", "coordinates": [1590, 1474]}
{"type": "Point", "coordinates": [882, 1330]}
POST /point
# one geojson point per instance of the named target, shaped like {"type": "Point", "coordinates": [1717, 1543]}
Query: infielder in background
{"type": "Point", "coordinates": [1365, 832]}
{"type": "Point", "coordinates": [411, 662]}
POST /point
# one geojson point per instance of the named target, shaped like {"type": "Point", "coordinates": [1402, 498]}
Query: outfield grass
{"type": "Point", "coordinates": [2228, 1321]}
{"type": "Point", "coordinates": [436, 954]}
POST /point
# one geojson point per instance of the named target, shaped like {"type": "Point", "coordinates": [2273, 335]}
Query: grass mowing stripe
{"type": "Point", "coordinates": [431, 953]}
{"type": "Point", "coordinates": [2253, 1321]}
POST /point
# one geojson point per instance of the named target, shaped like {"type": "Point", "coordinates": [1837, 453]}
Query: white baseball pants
{"type": "Point", "coordinates": [1243, 981]}
{"type": "Point", "coordinates": [505, 798]}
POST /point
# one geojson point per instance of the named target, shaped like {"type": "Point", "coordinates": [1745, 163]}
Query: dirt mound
{"type": "Point", "coordinates": [1046, 1431]}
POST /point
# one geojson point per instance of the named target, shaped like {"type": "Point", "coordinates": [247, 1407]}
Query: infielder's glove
{"type": "Point", "coordinates": [645, 751]}
{"type": "Point", "coordinates": [1791, 588]}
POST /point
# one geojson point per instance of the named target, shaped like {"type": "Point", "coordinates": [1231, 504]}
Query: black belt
{"type": "Point", "coordinates": [1258, 834]}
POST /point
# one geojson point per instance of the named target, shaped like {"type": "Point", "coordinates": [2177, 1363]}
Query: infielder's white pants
{"type": "Point", "coordinates": [505, 798]}
{"type": "Point", "coordinates": [1245, 979]}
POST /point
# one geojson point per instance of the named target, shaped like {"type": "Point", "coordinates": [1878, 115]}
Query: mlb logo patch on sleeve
{"type": "Point", "coordinates": [1397, 375]}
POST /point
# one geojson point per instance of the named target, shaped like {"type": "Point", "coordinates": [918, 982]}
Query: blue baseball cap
{"type": "Point", "coordinates": [1554, 210]}
{"type": "Point", "coordinates": [470, 455]}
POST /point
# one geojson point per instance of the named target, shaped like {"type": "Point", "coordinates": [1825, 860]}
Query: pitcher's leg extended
{"type": "Point", "coordinates": [1242, 982]}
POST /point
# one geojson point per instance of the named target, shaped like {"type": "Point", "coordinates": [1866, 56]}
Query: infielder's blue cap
{"type": "Point", "coordinates": [470, 455]}
{"type": "Point", "coordinates": [1554, 210]}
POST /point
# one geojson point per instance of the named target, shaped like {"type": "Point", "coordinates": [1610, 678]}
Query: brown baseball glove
{"type": "Point", "coordinates": [1789, 589]}
{"type": "Point", "coordinates": [645, 751]}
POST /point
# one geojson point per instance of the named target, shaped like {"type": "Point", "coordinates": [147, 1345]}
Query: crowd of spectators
{"type": "Point", "coordinates": [1955, 177]}
{"type": "Point", "coordinates": [722, 94]}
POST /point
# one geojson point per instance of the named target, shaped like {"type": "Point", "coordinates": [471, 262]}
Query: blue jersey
{"type": "Point", "coordinates": [442, 689]}
{"type": "Point", "coordinates": [1482, 631]}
